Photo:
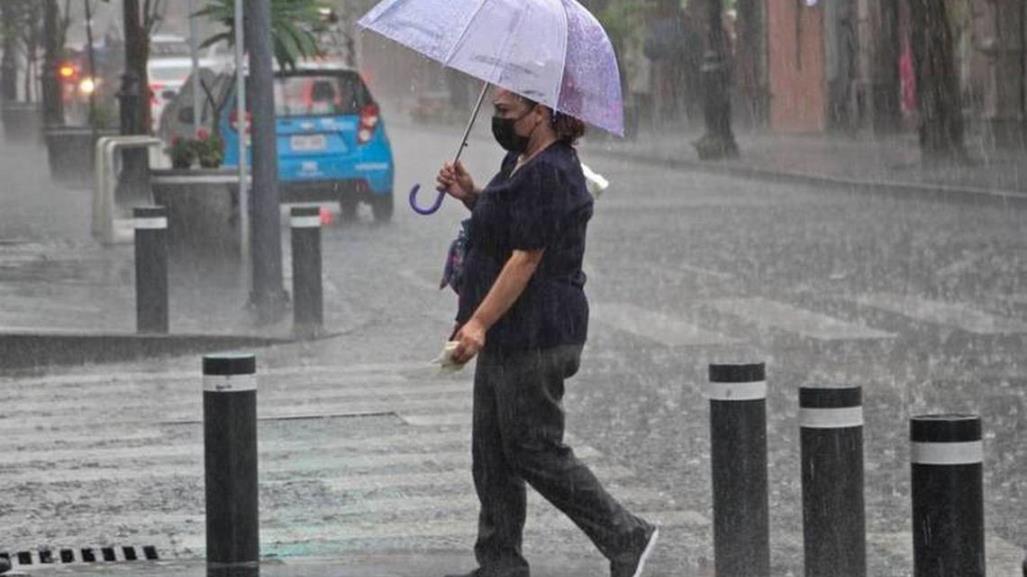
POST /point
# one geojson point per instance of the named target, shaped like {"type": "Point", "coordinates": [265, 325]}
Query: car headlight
{"type": "Point", "coordinates": [87, 86]}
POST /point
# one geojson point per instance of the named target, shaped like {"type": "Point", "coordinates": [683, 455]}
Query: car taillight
{"type": "Point", "coordinates": [67, 72]}
{"type": "Point", "coordinates": [370, 115]}
{"type": "Point", "coordinates": [233, 121]}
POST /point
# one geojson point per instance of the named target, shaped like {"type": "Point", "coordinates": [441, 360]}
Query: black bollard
{"type": "Point", "coordinates": [230, 464]}
{"type": "Point", "coordinates": [948, 496]}
{"type": "Point", "coordinates": [833, 511]}
{"type": "Point", "coordinates": [151, 260]}
{"type": "Point", "coordinates": [738, 430]}
{"type": "Point", "coordinates": [308, 296]}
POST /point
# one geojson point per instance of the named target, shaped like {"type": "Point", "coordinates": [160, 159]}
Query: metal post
{"type": "Point", "coordinates": [308, 298]}
{"type": "Point", "coordinates": [230, 465]}
{"type": "Point", "coordinates": [948, 496]}
{"type": "Point", "coordinates": [266, 248]}
{"type": "Point", "coordinates": [833, 511]}
{"type": "Point", "coordinates": [151, 263]}
{"type": "Point", "coordinates": [241, 122]}
{"type": "Point", "coordinates": [194, 54]}
{"type": "Point", "coordinates": [738, 434]}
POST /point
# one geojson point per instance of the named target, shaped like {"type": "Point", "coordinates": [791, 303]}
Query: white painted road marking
{"type": "Point", "coordinates": [955, 315]}
{"type": "Point", "coordinates": [656, 326]}
{"type": "Point", "coordinates": [767, 313]}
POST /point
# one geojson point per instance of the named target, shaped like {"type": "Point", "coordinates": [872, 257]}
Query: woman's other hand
{"type": "Point", "coordinates": [455, 180]}
{"type": "Point", "coordinates": [470, 340]}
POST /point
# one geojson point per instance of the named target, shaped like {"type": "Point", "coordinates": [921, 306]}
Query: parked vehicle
{"type": "Point", "coordinates": [332, 143]}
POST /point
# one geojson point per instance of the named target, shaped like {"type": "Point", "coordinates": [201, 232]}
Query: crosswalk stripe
{"type": "Point", "coordinates": [273, 461]}
{"type": "Point", "coordinates": [1015, 298]}
{"type": "Point", "coordinates": [550, 521]}
{"type": "Point", "coordinates": [437, 419]}
{"type": "Point", "coordinates": [363, 511]}
{"type": "Point", "coordinates": [183, 399]}
{"type": "Point", "coordinates": [956, 315]}
{"type": "Point", "coordinates": [354, 370]}
{"type": "Point", "coordinates": [541, 525]}
{"type": "Point", "coordinates": [422, 440]}
{"type": "Point", "coordinates": [13, 443]}
{"type": "Point", "coordinates": [655, 326]}
{"type": "Point", "coordinates": [264, 412]}
{"type": "Point", "coordinates": [311, 462]}
{"type": "Point", "coordinates": [768, 313]}
{"type": "Point", "coordinates": [357, 483]}
{"type": "Point", "coordinates": [192, 385]}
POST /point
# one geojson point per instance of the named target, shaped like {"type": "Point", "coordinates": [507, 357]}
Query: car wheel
{"type": "Point", "coordinates": [348, 209]}
{"type": "Point", "coordinates": [382, 207]}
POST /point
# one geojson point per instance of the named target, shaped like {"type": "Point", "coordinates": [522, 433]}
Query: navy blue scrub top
{"type": "Point", "coordinates": [544, 205]}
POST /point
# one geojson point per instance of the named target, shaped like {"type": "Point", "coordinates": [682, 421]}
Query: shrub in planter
{"type": "Point", "coordinates": [206, 148]}
{"type": "Point", "coordinates": [182, 152]}
{"type": "Point", "coordinates": [209, 149]}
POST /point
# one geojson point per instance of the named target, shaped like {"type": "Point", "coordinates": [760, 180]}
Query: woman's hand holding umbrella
{"type": "Point", "coordinates": [455, 180]}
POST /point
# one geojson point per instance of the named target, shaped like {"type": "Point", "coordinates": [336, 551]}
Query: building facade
{"type": "Point", "coordinates": [846, 65]}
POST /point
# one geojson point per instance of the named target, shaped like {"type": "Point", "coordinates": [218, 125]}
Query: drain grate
{"type": "Point", "coordinates": [84, 555]}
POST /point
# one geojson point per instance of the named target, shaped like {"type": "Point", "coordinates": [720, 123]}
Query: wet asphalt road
{"type": "Point", "coordinates": [922, 303]}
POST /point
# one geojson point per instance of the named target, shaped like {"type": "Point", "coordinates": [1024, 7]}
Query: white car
{"type": "Point", "coordinates": [167, 74]}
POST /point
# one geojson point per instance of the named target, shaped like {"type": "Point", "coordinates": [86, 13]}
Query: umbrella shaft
{"type": "Point", "coordinates": [470, 124]}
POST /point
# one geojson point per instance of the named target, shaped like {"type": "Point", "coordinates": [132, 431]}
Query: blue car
{"type": "Point", "coordinates": [332, 144]}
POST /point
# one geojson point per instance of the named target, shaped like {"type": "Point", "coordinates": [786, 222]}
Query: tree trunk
{"type": "Point", "coordinates": [842, 51]}
{"type": "Point", "coordinates": [750, 60]}
{"type": "Point", "coordinates": [941, 114]}
{"type": "Point", "coordinates": [886, 83]}
{"type": "Point", "coordinates": [9, 63]}
{"type": "Point", "coordinates": [135, 92]}
{"type": "Point", "coordinates": [53, 106]}
{"type": "Point", "coordinates": [31, 50]}
{"type": "Point", "coordinates": [268, 294]}
{"type": "Point", "coordinates": [719, 140]}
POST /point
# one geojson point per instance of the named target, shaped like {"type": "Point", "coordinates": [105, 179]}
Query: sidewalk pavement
{"type": "Point", "coordinates": [883, 164]}
{"type": "Point", "coordinates": [359, 565]}
{"type": "Point", "coordinates": [888, 164]}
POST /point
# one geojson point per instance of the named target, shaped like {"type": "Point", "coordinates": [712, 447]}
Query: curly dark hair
{"type": "Point", "coordinates": [568, 129]}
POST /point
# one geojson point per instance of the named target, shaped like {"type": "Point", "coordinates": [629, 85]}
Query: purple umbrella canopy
{"type": "Point", "coordinates": [552, 51]}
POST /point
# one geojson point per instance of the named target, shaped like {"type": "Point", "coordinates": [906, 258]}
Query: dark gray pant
{"type": "Point", "coordinates": [518, 437]}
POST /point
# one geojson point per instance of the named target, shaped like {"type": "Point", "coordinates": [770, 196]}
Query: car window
{"type": "Point", "coordinates": [169, 73]}
{"type": "Point", "coordinates": [319, 95]}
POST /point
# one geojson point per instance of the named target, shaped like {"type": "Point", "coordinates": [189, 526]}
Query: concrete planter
{"type": "Point", "coordinates": [203, 211]}
{"type": "Point", "coordinates": [23, 122]}
{"type": "Point", "coordinates": [71, 152]}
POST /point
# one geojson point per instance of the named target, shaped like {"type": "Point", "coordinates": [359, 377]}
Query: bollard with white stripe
{"type": "Point", "coordinates": [738, 434]}
{"type": "Point", "coordinates": [230, 465]}
{"type": "Point", "coordinates": [948, 496]}
{"type": "Point", "coordinates": [151, 264]}
{"type": "Point", "coordinates": [833, 510]}
{"type": "Point", "coordinates": [308, 296]}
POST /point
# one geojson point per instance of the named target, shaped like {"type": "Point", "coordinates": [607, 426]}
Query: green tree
{"type": "Point", "coordinates": [294, 27]}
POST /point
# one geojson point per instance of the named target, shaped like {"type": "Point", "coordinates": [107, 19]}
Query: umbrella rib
{"type": "Point", "coordinates": [463, 34]}
{"type": "Point", "coordinates": [566, 44]}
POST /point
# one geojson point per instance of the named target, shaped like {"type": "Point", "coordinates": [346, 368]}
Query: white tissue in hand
{"type": "Point", "coordinates": [445, 359]}
{"type": "Point", "coordinates": [595, 181]}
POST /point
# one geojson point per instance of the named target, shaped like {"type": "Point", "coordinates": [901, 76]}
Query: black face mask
{"type": "Point", "coordinates": [506, 134]}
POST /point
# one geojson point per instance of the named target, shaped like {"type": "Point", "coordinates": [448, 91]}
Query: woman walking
{"type": "Point", "coordinates": [524, 314]}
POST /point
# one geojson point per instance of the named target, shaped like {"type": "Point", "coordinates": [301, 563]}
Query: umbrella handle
{"type": "Point", "coordinates": [429, 210]}
{"type": "Point", "coordinates": [463, 144]}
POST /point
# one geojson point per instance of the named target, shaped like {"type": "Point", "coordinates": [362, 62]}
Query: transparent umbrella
{"type": "Point", "coordinates": [552, 51]}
